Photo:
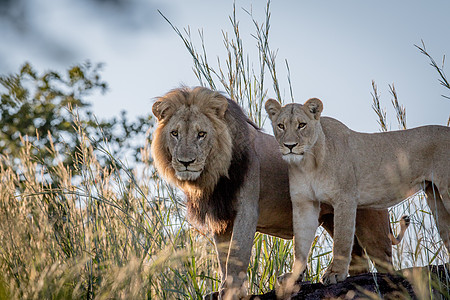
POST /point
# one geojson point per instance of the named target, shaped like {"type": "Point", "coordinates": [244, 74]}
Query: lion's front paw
{"type": "Point", "coordinates": [332, 277]}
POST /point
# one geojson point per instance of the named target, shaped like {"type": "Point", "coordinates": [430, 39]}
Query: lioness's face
{"type": "Point", "coordinates": [295, 127]}
{"type": "Point", "coordinates": [189, 135]}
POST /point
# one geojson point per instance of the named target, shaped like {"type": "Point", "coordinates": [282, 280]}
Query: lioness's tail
{"type": "Point", "coordinates": [404, 223]}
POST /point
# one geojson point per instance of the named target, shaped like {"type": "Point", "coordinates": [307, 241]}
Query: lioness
{"type": "Point", "coordinates": [236, 182]}
{"type": "Point", "coordinates": [329, 163]}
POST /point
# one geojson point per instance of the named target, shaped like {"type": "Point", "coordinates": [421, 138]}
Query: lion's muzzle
{"type": "Point", "coordinates": [187, 169]}
{"type": "Point", "coordinates": [186, 163]}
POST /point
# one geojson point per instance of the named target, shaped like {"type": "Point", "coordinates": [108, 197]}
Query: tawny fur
{"type": "Point", "coordinates": [179, 109]}
{"type": "Point", "coordinates": [348, 169]}
{"type": "Point", "coordinates": [239, 182]}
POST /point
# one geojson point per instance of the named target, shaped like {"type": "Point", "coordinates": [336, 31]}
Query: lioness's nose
{"type": "Point", "coordinates": [290, 146]}
{"type": "Point", "coordinates": [186, 163]}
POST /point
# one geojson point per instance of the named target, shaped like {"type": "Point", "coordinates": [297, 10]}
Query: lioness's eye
{"type": "Point", "coordinates": [174, 133]}
{"type": "Point", "coordinates": [301, 125]}
{"type": "Point", "coordinates": [281, 126]}
{"type": "Point", "coordinates": [201, 134]}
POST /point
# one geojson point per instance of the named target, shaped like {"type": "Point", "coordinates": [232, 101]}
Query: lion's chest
{"type": "Point", "coordinates": [310, 187]}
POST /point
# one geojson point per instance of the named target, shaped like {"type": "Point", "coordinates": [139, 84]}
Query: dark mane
{"type": "Point", "coordinates": [218, 209]}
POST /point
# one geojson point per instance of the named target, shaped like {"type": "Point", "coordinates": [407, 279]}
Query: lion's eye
{"type": "Point", "coordinates": [301, 125]}
{"type": "Point", "coordinates": [174, 133]}
{"type": "Point", "coordinates": [281, 126]}
{"type": "Point", "coordinates": [201, 134]}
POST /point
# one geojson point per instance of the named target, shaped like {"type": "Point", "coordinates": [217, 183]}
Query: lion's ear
{"type": "Point", "coordinates": [314, 107]}
{"type": "Point", "coordinates": [219, 104]}
{"type": "Point", "coordinates": [161, 109]}
{"type": "Point", "coordinates": [272, 107]}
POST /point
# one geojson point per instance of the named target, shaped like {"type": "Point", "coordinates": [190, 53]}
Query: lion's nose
{"type": "Point", "coordinates": [290, 146]}
{"type": "Point", "coordinates": [186, 163]}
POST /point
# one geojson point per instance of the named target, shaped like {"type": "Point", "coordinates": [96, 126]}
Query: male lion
{"type": "Point", "coordinates": [236, 182]}
{"type": "Point", "coordinates": [329, 163]}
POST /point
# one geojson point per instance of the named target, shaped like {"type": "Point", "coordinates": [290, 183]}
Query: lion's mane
{"type": "Point", "coordinates": [210, 198]}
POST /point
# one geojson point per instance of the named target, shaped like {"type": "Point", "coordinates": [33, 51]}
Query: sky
{"type": "Point", "coordinates": [334, 49]}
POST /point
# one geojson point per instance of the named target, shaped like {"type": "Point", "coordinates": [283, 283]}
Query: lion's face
{"type": "Point", "coordinates": [190, 137]}
{"type": "Point", "coordinates": [192, 144]}
{"type": "Point", "coordinates": [295, 127]}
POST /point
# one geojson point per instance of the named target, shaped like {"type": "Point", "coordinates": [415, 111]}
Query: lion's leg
{"type": "Point", "coordinates": [359, 263]}
{"type": "Point", "coordinates": [222, 244]}
{"type": "Point", "coordinates": [441, 216]}
{"type": "Point", "coordinates": [244, 229]}
{"type": "Point", "coordinates": [240, 248]}
{"type": "Point", "coordinates": [344, 230]}
{"type": "Point", "coordinates": [372, 231]}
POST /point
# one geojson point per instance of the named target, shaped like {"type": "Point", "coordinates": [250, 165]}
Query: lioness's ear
{"type": "Point", "coordinates": [272, 107]}
{"type": "Point", "coordinates": [161, 109]}
{"type": "Point", "coordinates": [314, 106]}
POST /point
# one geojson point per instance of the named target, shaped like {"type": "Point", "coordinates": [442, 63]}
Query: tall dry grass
{"type": "Point", "coordinates": [102, 233]}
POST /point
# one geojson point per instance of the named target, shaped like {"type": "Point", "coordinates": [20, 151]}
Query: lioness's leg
{"type": "Point", "coordinates": [305, 222]}
{"type": "Point", "coordinates": [441, 215]}
{"type": "Point", "coordinates": [344, 230]}
{"type": "Point", "coordinates": [305, 215]}
{"type": "Point", "coordinates": [359, 263]}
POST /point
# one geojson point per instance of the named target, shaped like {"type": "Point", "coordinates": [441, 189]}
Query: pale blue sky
{"type": "Point", "coordinates": [334, 48]}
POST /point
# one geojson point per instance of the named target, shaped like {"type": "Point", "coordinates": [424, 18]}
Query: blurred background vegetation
{"type": "Point", "coordinates": [84, 215]}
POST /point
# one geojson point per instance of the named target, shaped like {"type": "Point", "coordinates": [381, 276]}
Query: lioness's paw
{"type": "Point", "coordinates": [331, 277]}
{"type": "Point", "coordinates": [283, 278]}
{"type": "Point", "coordinates": [229, 294]}
{"type": "Point", "coordinates": [287, 284]}
{"type": "Point", "coordinates": [286, 277]}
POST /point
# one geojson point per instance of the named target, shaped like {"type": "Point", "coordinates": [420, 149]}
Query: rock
{"type": "Point", "coordinates": [404, 284]}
